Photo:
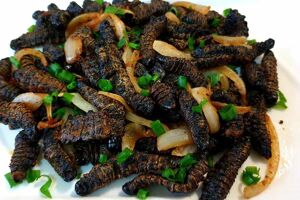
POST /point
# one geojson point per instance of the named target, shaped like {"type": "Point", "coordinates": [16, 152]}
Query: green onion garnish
{"type": "Point", "coordinates": [134, 45]}
{"type": "Point", "coordinates": [250, 175]}
{"type": "Point", "coordinates": [145, 93]}
{"type": "Point", "coordinates": [45, 188]}
{"type": "Point", "coordinates": [47, 100]}
{"type": "Point", "coordinates": [174, 10]}
{"type": "Point", "coordinates": [191, 43]}
{"type": "Point", "coordinates": [67, 98]}
{"type": "Point", "coordinates": [228, 112]}
{"type": "Point", "coordinates": [155, 77]}
{"type": "Point", "coordinates": [102, 158]}
{"type": "Point", "coordinates": [182, 82]}
{"type": "Point", "coordinates": [226, 12]}
{"type": "Point", "coordinates": [202, 44]}
{"type": "Point", "coordinates": [281, 103]}
{"type": "Point", "coordinates": [251, 42]}
{"type": "Point", "coordinates": [213, 78]}
{"type": "Point", "coordinates": [145, 81]}
{"type": "Point", "coordinates": [142, 194]}
{"type": "Point", "coordinates": [78, 175]}
{"type": "Point", "coordinates": [210, 161]}
{"type": "Point", "coordinates": [180, 175]}
{"type": "Point", "coordinates": [59, 113]}
{"type": "Point", "coordinates": [31, 28]}
{"type": "Point", "coordinates": [215, 22]}
{"type": "Point", "coordinates": [114, 10]}
{"type": "Point", "coordinates": [62, 45]}
{"type": "Point", "coordinates": [169, 174]}
{"type": "Point", "coordinates": [13, 60]}
{"type": "Point", "coordinates": [124, 155]}
{"type": "Point", "coordinates": [10, 180]}
{"type": "Point", "coordinates": [199, 107]}
{"type": "Point", "coordinates": [121, 43]}
{"type": "Point", "coordinates": [66, 76]}
{"type": "Point", "coordinates": [72, 85]}
{"type": "Point", "coordinates": [33, 175]}
{"type": "Point", "coordinates": [187, 161]}
{"type": "Point", "coordinates": [157, 128]}
{"type": "Point", "coordinates": [100, 2]}
{"type": "Point", "coordinates": [105, 85]}
{"type": "Point", "coordinates": [54, 69]}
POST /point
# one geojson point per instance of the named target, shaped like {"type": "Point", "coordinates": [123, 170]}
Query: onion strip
{"type": "Point", "coordinates": [174, 138]}
{"type": "Point", "coordinates": [116, 97]}
{"type": "Point", "coordinates": [240, 109]}
{"type": "Point", "coordinates": [167, 49]}
{"type": "Point", "coordinates": [32, 100]}
{"type": "Point", "coordinates": [273, 163]}
{"type": "Point", "coordinates": [130, 70]}
{"type": "Point", "coordinates": [29, 51]}
{"type": "Point", "coordinates": [231, 41]}
{"type": "Point", "coordinates": [196, 7]}
{"type": "Point", "coordinates": [133, 132]}
{"type": "Point", "coordinates": [184, 150]}
{"type": "Point", "coordinates": [172, 17]}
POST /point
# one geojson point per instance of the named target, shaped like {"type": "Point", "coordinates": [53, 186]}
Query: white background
{"type": "Point", "coordinates": [276, 19]}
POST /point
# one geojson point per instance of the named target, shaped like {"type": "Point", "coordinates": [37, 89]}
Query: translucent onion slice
{"type": "Point", "coordinates": [73, 49]}
{"type": "Point", "coordinates": [133, 132]}
{"type": "Point", "coordinates": [172, 17]}
{"type": "Point", "coordinates": [81, 103]}
{"type": "Point", "coordinates": [240, 109]}
{"type": "Point", "coordinates": [196, 7]}
{"type": "Point", "coordinates": [127, 54]}
{"type": "Point", "coordinates": [273, 163]}
{"type": "Point", "coordinates": [238, 82]}
{"type": "Point", "coordinates": [231, 41]}
{"type": "Point", "coordinates": [224, 82]}
{"type": "Point", "coordinates": [174, 138]}
{"type": "Point", "coordinates": [116, 97]}
{"type": "Point", "coordinates": [29, 51]}
{"type": "Point", "coordinates": [32, 100]}
{"type": "Point", "coordinates": [209, 111]}
{"type": "Point", "coordinates": [184, 150]}
{"type": "Point", "coordinates": [130, 67]}
{"type": "Point", "coordinates": [167, 49]}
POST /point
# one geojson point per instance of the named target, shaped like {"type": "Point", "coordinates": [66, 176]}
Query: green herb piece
{"type": "Point", "coordinates": [226, 12]}
{"type": "Point", "coordinates": [31, 28]}
{"type": "Point", "coordinates": [191, 43]}
{"type": "Point", "coordinates": [66, 76]}
{"type": "Point", "coordinates": [182, 82]}
{"type": "Point", "coordinates": [102, 158]}
{"type": "Point", "coordinates": [281, 103]}
{"type": "Point", "coordinates": [134, 45]}
{"type": "Point", "coordinates": [67, 98]}
{"type": "Point", "coordinates": [199, 107]}
{"type": "Point", "coordinates": [251, 42]}
{"type": "Point", "coordinates": [210, 161]}
{"type": "Point", "coordinates": [62, 45]}
{"type": "Point", "coordinates": [187, 161]}
{"type": "Point", "coordinates": [155, 77]}
{"type": "Point", "coordinates": [47, 100]}
{"type": "Point", "coordinates": [157, 128]}
{"type": "Point", "coordinates": [13, 60]}
{"type": "Point", "coordinates": [202, 44]}
{"type": "Point", "coordinates": [79, 174]}
{"type": "Point", "coordinates": [145, 93]}
{"type": "Point", "coordinates": [215, 22]}
{"type": "Point", "coordinates": [114, 10]}
{"type": "Point", "coordinates": [250, 175]}
{"type": "Point", "coordinates": [33, 175]}
{"type": "Point", "coordinates": [54, 69]}
{"type": "Point", "coordinates": [174, 10]}
{"type": "Point", "coordinates": [121, 43]}
{"type": "Point", "coordinates": [72, 85]}
{"type": "Point", "coordinates": [100, 2]}
{"type": "Point", "coordinates": [180, 175]}
{"type": "Point", "coordinates": [59, 113]}
{"type": "Point", "coordinates": [142, 194]}
{"type": "Point", "coordinates": [228, 112]}
{"type": "Point", "coordinates": [124, 155]}
{"type": "Point", "coordinates": [136, 31]}
{"type": "Point", "coordinates": [10, 180]}
{"type": "Point", "coordinates": [169, 174]}
{"type": "Point", "coordinates": [213, 78]}
{"type": "Point", "coordinates": [145, 81]}
{"type": "Point", "coordinates": [105, 85]}
{"type": "Point", "coordinates": [45, 188]}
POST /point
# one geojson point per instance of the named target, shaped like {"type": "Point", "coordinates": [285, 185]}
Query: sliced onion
{"type": "Point", "coordinates": [230, 41]}
{"type": "Point", "coordinates": [273, 163]}
{"type": "Point", "coordinates": [240, 109]}
{"type": "Point", "coordinates": [34, 52]}
{"type": "Point", "coordinates": [90, 19]}
{"type": "Point", "coordinates": [172, 17]}
{"type": "Point", "coordinates": [127, 54]}
{"type": "Point", "coordinates": [130, 67]}
{"type": "Point", "coordinates": [238, 82]}
{"type": "Point", "coordinates": [81, 103]}
{"type": "Point", "coordinates": [32, 100]}
{"type": "Point", "coordinates": [196, 7]}
{"type": "Point", "coordinates": [174, 138]}
{"type": "Point", "coordinates": [167, 49]}
{"type": "Point", "coordinates": [116, 97]}
{"type": "Point", "coordinates": [209, 111]}
{"type": "Point", "coordinates": [73, 49]}
{"type": "Point", "coordinates": [224, 82]}
{"type": "Point", "coordinates": [133, 132]}
{"type": "Point", "coordinates": [184, 150]}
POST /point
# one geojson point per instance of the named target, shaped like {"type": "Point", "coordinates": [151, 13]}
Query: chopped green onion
{"type": "Point", "coordinates": [13, 60]}
{"type": "Point", "coordinates": [250, 175]}
{"type": "Point", "coordinates": [47, 100]}
{"type": "Point", "coordinates": [72, 85]}
{"type": "Point", "coordinates": [105, 85]}
{"type": "Point", "coordinates": [251, 42]}
{"type": "Point", "coordinates": [54, 69]}
{"type": "Point", "coordinates": [215, 22]}
{"type": "Point", "coordinates": [134, 45]}
{"type": "Point", "coordinates": [45, 188]}
{"type": "Point", "coordinates": [191, 43]}
{"type": "Point", "coordinates": [33, 175]}
{"type": "Point", "coordinates": [102, 158]}
{"type": "Point", "coordinates": [31, 28]}
{"type": "Point", "coordinates": [145, 81]}
{"type": "Point", "coordinates": [226, 12]}
{"type": "Point", "coordinates": [213, 78]}
{"type": "Point", "coordinates": [157, 128]}
{"type": "Point", "coordinates": [155, 77]}
{"type": "Point", "coordinates": [62, 45]}
{"type": "Point", "coordinates": [180, 175]}
{"type": "Point", "coordinates": [142, 194]}
{"type": "Point", "coordinates": [78, 175]}
{"type": "Point", "coordinates": [187, 161]}
{"type": "Point", "coordinates": [114, 10]}
{"type": "Point", "coordinates": [124, 155]}
{"type": "Point", "coordinates": [202, 44]}
{"type": "Point", "coordinates": [228, 112]}
{"type": "Point", "coordinates": [100, 2]}
{"type": "Point", "coordinates": [169, 174]}
{"type": "Point", "coordinates": [67, 98]}
{"type": "Point", "coordinates": [137, 31]}
{"type": "Point", "coordinates": [199, 107]}
{"type": "Point", "coordinates": [145, 93]}
{"type": "Point", "coordinates": [210, 161]}
{"type": "Point", "coordinates": [66, 76]}
{"type": "Point", "coordinates": [59, 113]}
{"type": "Point", "coordinates": [281, 103]}
{"type": "Point", "coordinates": [174, 10]}
{"type": "Point", "coordinates": [121, 43]}
{"type": "Point", "coordinates": [12, 183]}
{"type": "Point", "coordinates": [182, 82]}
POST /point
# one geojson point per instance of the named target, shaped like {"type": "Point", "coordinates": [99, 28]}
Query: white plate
{"type": "Point", "coordinates": [266, 19]}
